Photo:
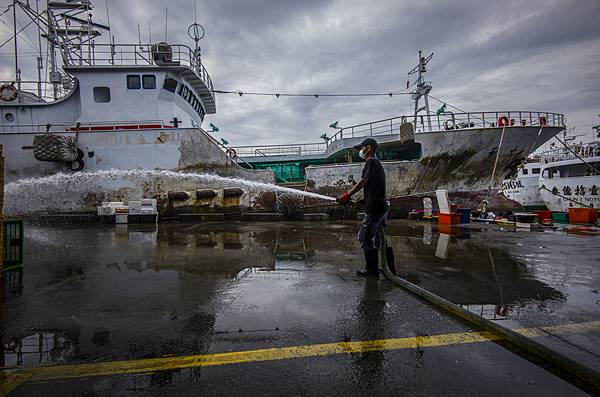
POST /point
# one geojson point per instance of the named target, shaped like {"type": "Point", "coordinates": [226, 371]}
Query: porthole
{"type": "Point", "coordinates": [9, 117]}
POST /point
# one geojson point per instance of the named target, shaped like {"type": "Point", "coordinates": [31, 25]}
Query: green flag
{"type": "Point", "coordinates": [442, 109]}
{"type": "Point", "coordinates": [334, 125]}
{"type": "Point", "coordinates": [214, 127]}
{"type": "Point", "coordinates": [325, 137]}
{"type": "Point", "coordinates": [224, 142]}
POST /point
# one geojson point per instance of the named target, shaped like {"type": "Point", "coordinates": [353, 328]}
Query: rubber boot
{"type": "Point", "coordinates": [371, 263]}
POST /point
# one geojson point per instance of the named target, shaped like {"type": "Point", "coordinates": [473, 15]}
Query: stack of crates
{"type": "Point", "coordinates": [448, 214]}
{"type": "Point", "coordinates": [143, 211]}
{"type": "Point", "coordinates": [12, 247]}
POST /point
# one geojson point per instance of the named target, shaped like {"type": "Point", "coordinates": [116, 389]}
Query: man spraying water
{"type": "Point", "coordinates": [376, 206]}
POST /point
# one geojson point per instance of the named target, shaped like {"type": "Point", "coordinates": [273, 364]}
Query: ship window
{"type": "Point", "coordinates": [149, 81]}
{"type": "Point", "coordinates": [9, 117]}
{"type": "Point", "coordinates": [101, 94]}
{"type": "Point", "coordinates": [133, 82]}
{"type": "Point", "coordinates": [170, 84]}
{"type": "Point", "coordinates": [525, 171]}
{"type": "Point", "coordinates": [535, 171]}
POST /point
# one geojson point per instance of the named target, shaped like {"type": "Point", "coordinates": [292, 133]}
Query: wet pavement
{"type": "Point", "coordinates": [101, 294]}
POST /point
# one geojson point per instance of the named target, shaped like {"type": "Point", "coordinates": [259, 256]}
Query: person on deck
{"type": "Point", "coordinates": [376, 206]}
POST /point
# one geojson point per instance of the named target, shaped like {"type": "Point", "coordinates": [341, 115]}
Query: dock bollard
{"type": "Point", "coordinates": [590, 377]}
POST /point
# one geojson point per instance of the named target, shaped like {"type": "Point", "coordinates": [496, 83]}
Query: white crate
{"type": "Point", "coordinates": [106, 211]}
{"type": "Point", "coordinates": [135, 207]}
{"type": "Point", "coordinates": [113, 204]}
{"type": "Point", "coordinates": [121, 219]}
{"type": "Point", "coordinates": [148, 202]}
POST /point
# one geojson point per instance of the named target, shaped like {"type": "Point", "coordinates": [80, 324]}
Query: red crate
{"type": "Point", "coordinates": [583, 215]}
{"type": "Point", "coordinates": [450, 219]}
{"type": "Point", "coordinates": [543, 214]}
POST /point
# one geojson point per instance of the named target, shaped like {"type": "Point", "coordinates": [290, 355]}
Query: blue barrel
{"type": "Point", "coordinates": [465, 215]}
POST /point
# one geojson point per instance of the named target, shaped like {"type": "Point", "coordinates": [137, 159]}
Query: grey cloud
{"type": "Point", "coordinates": [535, 55]}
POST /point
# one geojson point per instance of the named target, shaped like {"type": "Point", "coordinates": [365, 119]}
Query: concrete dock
{"type": "Point", "coordinates": [276, 308]}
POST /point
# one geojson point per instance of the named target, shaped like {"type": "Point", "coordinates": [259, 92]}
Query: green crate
{"type": "Point", "coordinates": [13, 243]}
{"type": "Point", "coordinates": [560, 217]}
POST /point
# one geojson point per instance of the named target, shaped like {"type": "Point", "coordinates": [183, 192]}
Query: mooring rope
{"type": "Point", "coordinates": [497, 157]}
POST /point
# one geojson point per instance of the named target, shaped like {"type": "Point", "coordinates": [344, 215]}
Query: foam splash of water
{"type": "Point", "coordinates": [64, 192]}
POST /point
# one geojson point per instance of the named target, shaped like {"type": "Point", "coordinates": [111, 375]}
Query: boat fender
{"type": "Point", "coordinates": [407, 131]}
{"type": "Point", "coordinates": [8, 92]}
{"type": "Point", "coordinates": [503, 121]}
{"type": "Point", "coordinates": [231, 153]}
{"type": "Point", "coordinates": [56, 148]}
{"type": "Point", "coordinates": [543, 120]}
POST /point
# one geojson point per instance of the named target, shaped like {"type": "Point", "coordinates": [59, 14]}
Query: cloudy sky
{"type": "Point", "coordinates": [489, 55]}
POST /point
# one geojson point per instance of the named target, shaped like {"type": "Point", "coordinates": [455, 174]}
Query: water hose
{"type": "Point", "coordinates": [585, 375]}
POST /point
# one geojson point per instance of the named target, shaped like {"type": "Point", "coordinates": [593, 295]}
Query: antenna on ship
{"type": "Point", "coordinates": [196, 33]}
{"type": "Point", "coordinates": [422, 88]}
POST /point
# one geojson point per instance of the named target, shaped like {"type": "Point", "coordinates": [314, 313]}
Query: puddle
{"type": "Point", "coordinates": [37, 348]}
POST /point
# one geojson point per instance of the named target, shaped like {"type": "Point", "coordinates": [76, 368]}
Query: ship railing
{"type": "Point", "coordinates": [93, 126]}
{"type": "Point", "coordinates": [583, 151]}
{"type": "Point", "coordinates": [144, 54]}
{"type": "Point", "coordinates": [32, 90]}
{"type": "Point", "coordinates": [450, 121]}
{"type": "Point", "coordinates": [302, 149]}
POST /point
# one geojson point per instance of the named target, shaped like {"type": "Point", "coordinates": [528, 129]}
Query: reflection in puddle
{"type": "Point", "coordinates": [480, 277]}
{"type": "Point", "coordinates": [38, 348]}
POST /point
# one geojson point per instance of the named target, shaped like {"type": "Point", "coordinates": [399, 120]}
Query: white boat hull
{"type": "Point", "coordinates": [525, 191]}
{"type": "Point", "coordinates": [560, 194]}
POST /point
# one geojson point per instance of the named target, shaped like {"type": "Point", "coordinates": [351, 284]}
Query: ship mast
{"type": "Point", "coordinates": [422, 88]}
{"type": "Point", "coordinates": [17, 70]}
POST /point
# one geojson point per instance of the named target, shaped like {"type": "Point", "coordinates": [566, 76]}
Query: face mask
{"type": "Point", "coordinates": [363, 153]}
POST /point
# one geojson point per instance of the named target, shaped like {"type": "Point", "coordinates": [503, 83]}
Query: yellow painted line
{"type": "Point", "coordinates": [9, 379]}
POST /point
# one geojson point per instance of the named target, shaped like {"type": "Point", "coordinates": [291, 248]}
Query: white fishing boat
{"type": "Point", "coordinates": [570, 177]}
{"type": "Point", "coordinates": [524, 188]}
{"type": "Point", "coordinates": [107, 105]}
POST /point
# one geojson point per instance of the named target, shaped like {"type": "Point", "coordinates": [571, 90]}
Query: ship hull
{"type": "Point", "coordinates": [525, 191]}
{"type": "Point", "coordinates": [460, 161]}
{"type": "Point", "coordinates": [578, 192]}
{"type": "Point", "coordinates": [108, 156]}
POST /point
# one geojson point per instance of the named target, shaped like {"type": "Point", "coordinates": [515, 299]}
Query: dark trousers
{"type": "Point", "coordinates": [368, 235]}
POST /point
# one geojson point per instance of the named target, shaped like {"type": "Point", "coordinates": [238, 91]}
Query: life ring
{"type": "Point", "coordinates": [231, 153]}
{"type": "Point", "coordinates": [8, 92]}
{"type": "Point", "coordinates": [447, 127]}
{"type": "Point", "coordinates": [503, 121]}
{"type": "Point", "coordinates": [543, 120]}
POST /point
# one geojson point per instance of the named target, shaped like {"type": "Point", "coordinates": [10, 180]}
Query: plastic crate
{"type": "Point", "coordinates": [465, 215]}
{"type": "Point", "coordinates": [543, 214]}
{"type": "Point", "coordinates": [449, 219]}
{"type": "Point", "coordinates": [13, 243]}
{"type": "Point", "coordinates": [583, 215]}
{"type": "Point", "coordinates": [560, 217]}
